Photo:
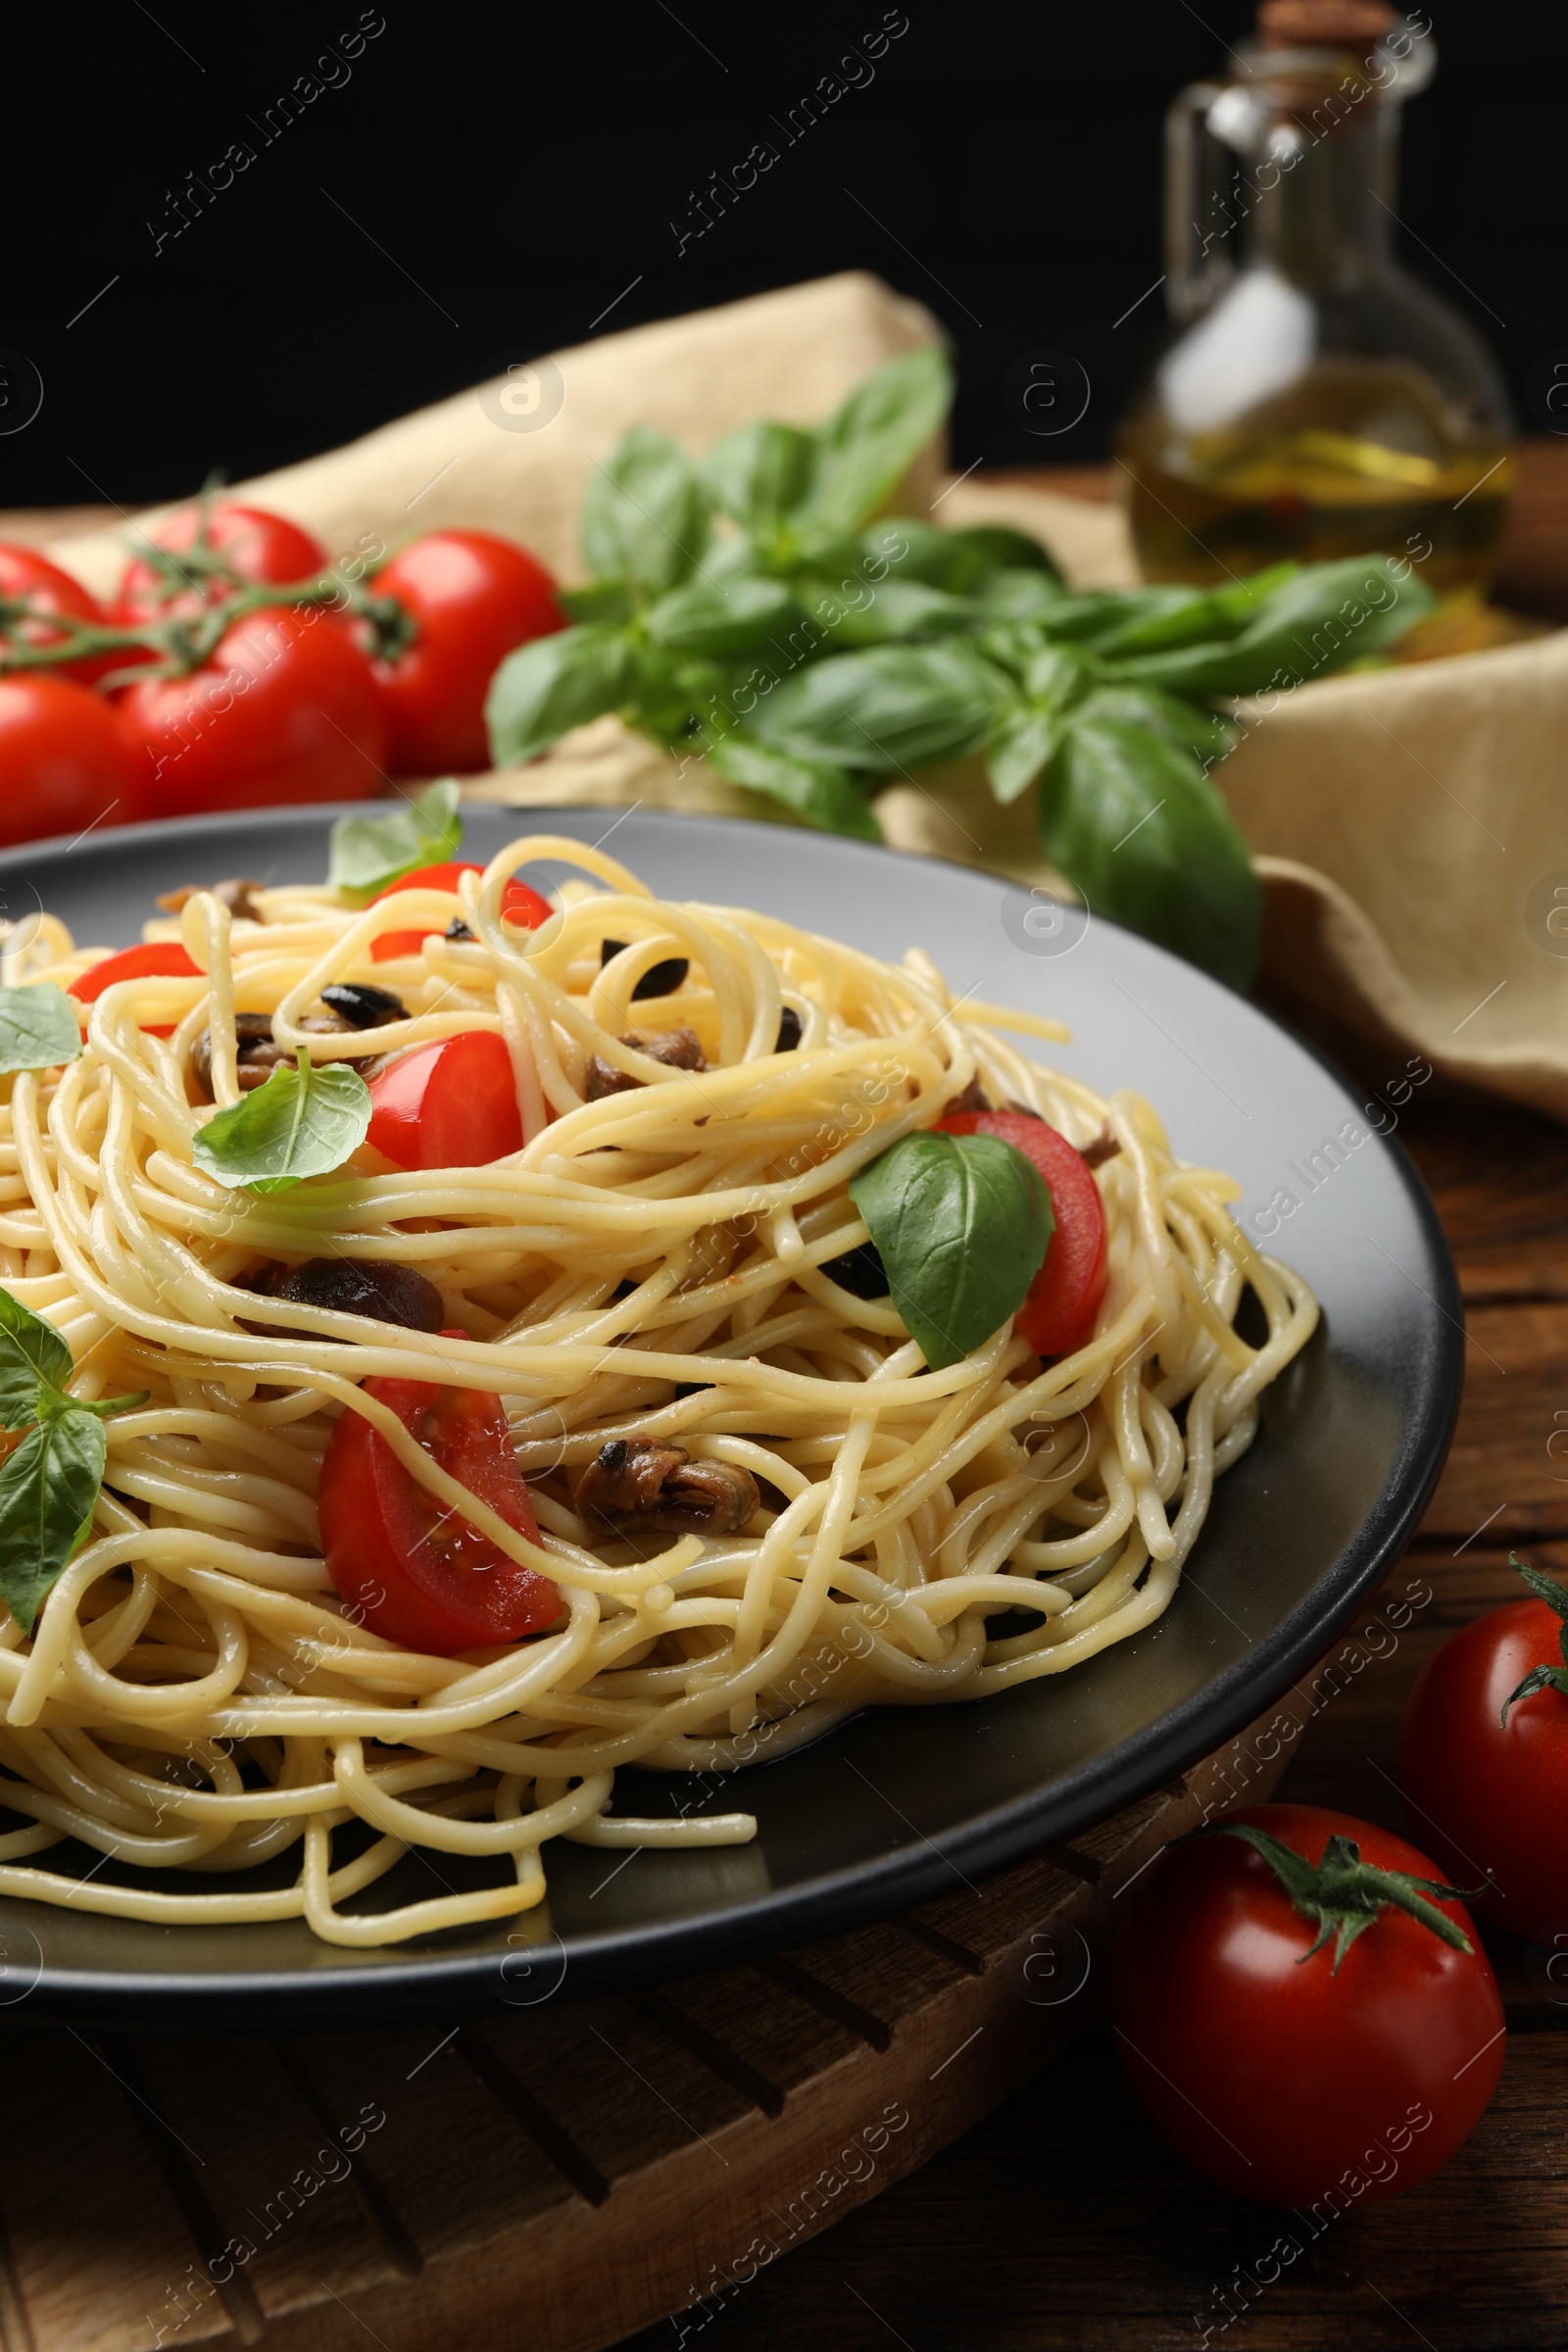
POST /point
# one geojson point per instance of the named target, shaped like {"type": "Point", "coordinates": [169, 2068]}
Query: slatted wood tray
{"type": "Point", "coordinates": [558, 2175]}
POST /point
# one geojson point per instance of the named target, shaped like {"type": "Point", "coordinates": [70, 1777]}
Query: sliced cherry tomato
{"type": "Point", "coordinates": [474, 597]}
{"type": "Point", "coordinates": [453, 1104]}
{"type": "Point", "coordinates": [240, 543]}
{"type": "Point", "coordinates": [518, 904]}
{"type": "Point", "coordinates": [405, 1566]}
{"type": "Point", "coordinates": [28, 577]}
{"type": "Point", "coordinates": [1058, 1314]}
{"type": "Point", "coordinates": [65, 760]}
{"type": "Point", "coordinates": [158, 960]}
{"type": "Point", "coordinates": [1493, 1796]}
{"type": "Point", "coordinates": [287, 710]}
{"type": "Point", "coordinates": [1278, 2075]}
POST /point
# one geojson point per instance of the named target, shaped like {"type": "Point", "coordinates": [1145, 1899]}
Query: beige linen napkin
{"type": "Point", "coordinates": [1411, 825]}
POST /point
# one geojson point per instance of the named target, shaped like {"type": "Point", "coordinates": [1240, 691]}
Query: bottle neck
{"type": "Point", "coordinates": [1323, 195]}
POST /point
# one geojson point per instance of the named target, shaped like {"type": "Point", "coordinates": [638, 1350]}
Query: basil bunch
{"type": "Point", "coordinates": [747, 611]}
{"type": "Point", "coordinates": [50, 1482]}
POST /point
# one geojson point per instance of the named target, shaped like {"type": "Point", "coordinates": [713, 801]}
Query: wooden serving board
{"type": "Point", "coordinates": [556, 2176]}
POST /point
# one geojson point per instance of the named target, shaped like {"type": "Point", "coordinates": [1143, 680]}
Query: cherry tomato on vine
{"type": "Point", "coordinates": [238, 543]}
{"type": "Point", "coordinates": [518, 904]}
{"type": "Point", "coordinates": [453, 1104]}
{"type": "Point", "coordinates": [27, 576]}
{"type": "Point", "coordinates": [402, 1563]}
{"type": "Point", "coordinates": [287, 710]}
{"type": "Point", "coordinates": [65, 760]}
{"type": "Point", "coordinates": [1282, 2071]}
{"type": "Point", "coordinates": [1058, 1314]}
{"type": "Point", "coordinates": [474, 597]}
{"type": "Point", "coordinates": [1491, 1795]}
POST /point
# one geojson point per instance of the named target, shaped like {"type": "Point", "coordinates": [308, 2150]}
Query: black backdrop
{"type": "Point", "coordinates": [469, 182]}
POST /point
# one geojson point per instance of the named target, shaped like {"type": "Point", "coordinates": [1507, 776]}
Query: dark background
{"type": "Point", "coordinates": [511, 173]}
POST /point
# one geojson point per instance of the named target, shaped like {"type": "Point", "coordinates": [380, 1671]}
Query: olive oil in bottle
{"type": "Point", "coordinates": [1320, 403]}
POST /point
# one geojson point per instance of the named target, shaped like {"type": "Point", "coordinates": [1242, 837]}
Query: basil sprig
{"type": "Point", "coordinates": [304, 1121]}
{"type": "Point", "coordinates": [962, 1223]}
{"type": "Point", "coordinates": [748, 610]}
{"type": "Point", "coordinates": [50, 1482]}
{"type": "Point", "coordinates": [38, 1028]}
{"type": "Point", "coordinates": [369, 852]}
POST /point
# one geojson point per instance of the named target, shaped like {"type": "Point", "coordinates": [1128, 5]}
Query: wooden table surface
{"type": "Point", "coordinates": [1062, 2221]}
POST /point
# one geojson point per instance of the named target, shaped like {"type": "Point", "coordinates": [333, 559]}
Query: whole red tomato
{"type": "Point", "coordinates": [26, 576]}
{"type": "Point", "coordinates": [287, 710]}
{"type": "Point", "coordinates": [474, 597]}
{"type": "Point", "coordinates": [63, 761]}
{"type": "Point", "coordinates": [1491, 1796]}
{"type": "Point", "coordinates": [238, 543]}
{"type": "Point", "coordinates": [1274, 2074]}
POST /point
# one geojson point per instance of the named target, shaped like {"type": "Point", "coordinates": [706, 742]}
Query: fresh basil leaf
{"type": "Point", "coordinates": [368, 852]}
{"type": "Point", "coordinates": [48, 1488]}
{"type": "Point", "coordinates": [961, 561]}
{"type": "Point", "coordinates": [1197, 615]}
{"type": "Point", "coordinates": [889, 708]}
{"type": "Point", "coordinates": [892, 612]}
{"type": "Point", "coordinates": [646, 517]}
{"type": "Point", "coordinates": [867, 447]}
{"type": "Point", "coordinates": [548, 687]}
{"type": "Point", "coordinates": [960, 1223]}
{"type": "Point", "coordinates": [1021, 596]}
{"type": "Point", "coordinates": [305, 1122]}
{"type": "Point", "coordinates": [762, 474]}
{"type": "Point", "coordinates": [820, 792]}
{"type": "Point", "coordinates": [34, 1363]}
{"type": "Point", "coordinates": [1020, 748]}
{"type": "Point", "coordinates": [1095, 616]}
{"type": "Point", "coordinates": [985, 551]}
{"type": "Point", "coordinates": [600, 600]}
{"type": "Point", "coordinates": [1170, 716]}
{"type": "Point", "coordinates": [722, 616]}
{"type": "Point", "coordinates": [1324, 617]}
{"type": "Point", "coordinates": [38, 1028]}
{"type": "Point", "coordinates": [1134, 822]}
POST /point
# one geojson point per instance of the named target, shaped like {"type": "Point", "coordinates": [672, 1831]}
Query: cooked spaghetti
{"type": "Point", "coordinates": [649, 1266]}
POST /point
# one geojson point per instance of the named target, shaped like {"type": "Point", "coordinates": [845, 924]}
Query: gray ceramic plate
{"type": "Point", "coordinates": [899, 1805]}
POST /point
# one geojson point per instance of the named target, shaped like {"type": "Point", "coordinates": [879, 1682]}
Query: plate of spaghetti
{"type": "Point", "coordinates": [649, 1391]}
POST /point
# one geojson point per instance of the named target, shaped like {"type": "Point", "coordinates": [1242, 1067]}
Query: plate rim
{"type": "Point", "coordinates": [834, 1901]}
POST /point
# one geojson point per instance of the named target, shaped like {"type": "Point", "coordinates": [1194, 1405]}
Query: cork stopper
{"type": "Point", "coordinates": [1324, 23]}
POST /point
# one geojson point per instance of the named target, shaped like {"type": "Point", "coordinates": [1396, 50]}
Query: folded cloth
{"type": "Point", "coordinates": [1410, 825]}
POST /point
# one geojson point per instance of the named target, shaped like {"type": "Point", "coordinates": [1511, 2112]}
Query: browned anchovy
{"type": "Point", "coordinates": [1102, 1148]}
{"type": "Point", "coordinates": [260, 1055]}
{"type": "Point", "coordinates": [677, 1048]}
{"type": "Point", "coordinates": [973, 1097]}
{"type": "Point", "coordinates": [641, 1481]}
